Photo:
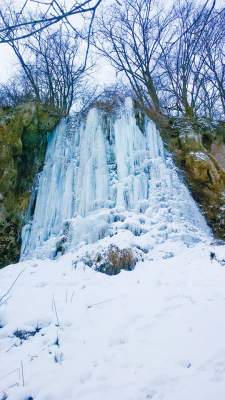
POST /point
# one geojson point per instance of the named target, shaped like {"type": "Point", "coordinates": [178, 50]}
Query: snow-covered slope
{"type": "Point", "coordinates": [70, 332]}
{"type": "Point", "coordinates": [154, 333]}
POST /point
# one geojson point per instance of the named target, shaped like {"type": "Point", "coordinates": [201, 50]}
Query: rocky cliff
{"type": "Point", "coordinates": [199, 150]}
{"type": "Point", "coordinates": [23, 139]}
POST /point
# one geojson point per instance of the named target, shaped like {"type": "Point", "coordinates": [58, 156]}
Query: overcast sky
{"type": "Point", "coordinates": [104, 72]}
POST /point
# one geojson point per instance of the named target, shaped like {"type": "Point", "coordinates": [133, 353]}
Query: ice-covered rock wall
{"type": "Point", "coordinates": [105, 176]}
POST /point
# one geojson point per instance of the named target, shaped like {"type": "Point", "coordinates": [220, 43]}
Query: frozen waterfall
{"type": "Point", "coordinates": [104, 175]}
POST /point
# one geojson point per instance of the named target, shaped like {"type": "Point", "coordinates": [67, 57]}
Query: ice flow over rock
{"type": "Point", "coordinates": [105, 175]}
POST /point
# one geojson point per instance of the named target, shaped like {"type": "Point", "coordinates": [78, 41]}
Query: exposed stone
{"type": "Point", "coordinates": [23, 139]}
{"type": "Point", "coordinates": [203, 168]}
{"type": "Point", "coordinates": [113, 260]}
{"type": "Point", "coordinates": [202, 162]}
{"type": "Point", "coordinates": [110, 260]}
{"type": "Point", "coordinates": [218, 152]}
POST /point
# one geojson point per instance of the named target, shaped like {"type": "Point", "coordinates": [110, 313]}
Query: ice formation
{"type": "Point", "coordinates": [103, 176]}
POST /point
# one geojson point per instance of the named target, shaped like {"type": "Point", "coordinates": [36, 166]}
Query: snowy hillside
{"type": "Point", "coordinates": [154, 333]}
{"type": "Point", "coordinates": [120, 292]}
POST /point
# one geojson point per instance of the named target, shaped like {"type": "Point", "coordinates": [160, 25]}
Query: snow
{"type": "Point", "coordinates": [101, 164]}
{"type": "Point", "coordinates": [200, 155]}
{"type": "Point", "coordinates": [154, 333]}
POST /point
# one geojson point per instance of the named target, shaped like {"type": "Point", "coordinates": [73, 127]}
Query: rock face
{"type": "Point", "coordinates": [114, 260]}
{"type": "Point", "coordinates": [23, 139]}
{"type": "Point", "coordinates": [218, 152]}
{"type": "Point", "coordinates": [110, 260]}
{"type": "Point", "coordinates": [201, 156]}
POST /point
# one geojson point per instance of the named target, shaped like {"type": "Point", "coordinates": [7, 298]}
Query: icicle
{"type": "Point", "coordinates": [92, 178]}
{"type": "Point", "coordinates": [99, 164]}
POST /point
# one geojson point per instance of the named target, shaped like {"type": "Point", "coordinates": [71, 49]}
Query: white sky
{"type": "Point", "coordinates": [104, 73]}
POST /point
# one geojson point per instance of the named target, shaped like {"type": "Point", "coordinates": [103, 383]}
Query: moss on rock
{"type": "Point", "coordinates": [202, 162]}
{"type": "Point", "coordinates": [23, 139]}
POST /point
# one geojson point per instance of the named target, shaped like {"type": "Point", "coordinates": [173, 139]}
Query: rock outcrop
{"type": "Point", "coordinates": [200, 152]}
{"type": "Point", "coordinates": [23, 139]}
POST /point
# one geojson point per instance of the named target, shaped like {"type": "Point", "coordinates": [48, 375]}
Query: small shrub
{"type": "Point", "coordinates": [25, 335]}
{"type": "Point", "coordinates": [113, 260]}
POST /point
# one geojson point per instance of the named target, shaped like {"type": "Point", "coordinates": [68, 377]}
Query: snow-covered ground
{"type": "Point", "coordinates": [157, 332]}
{"type": "Point", "coordinates": [68, 332]}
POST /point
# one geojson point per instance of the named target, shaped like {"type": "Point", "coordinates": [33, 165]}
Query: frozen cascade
{"type": "Point", "coordinates": [104, 176]}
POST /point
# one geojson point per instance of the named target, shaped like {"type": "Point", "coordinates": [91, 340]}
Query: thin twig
{"type": "Point", "coordinates": [101, 302]}
{"type": "Point", "coordinates": [55, 310]}
{"type": "Point", "coordinates": [22, 373]}
{"type": "Point", "coordinates": [10, 288]}
{"type": "Point", "coordinates": [71, 299]}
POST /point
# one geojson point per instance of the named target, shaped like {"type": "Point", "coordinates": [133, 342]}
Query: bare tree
{"type": "Point", "coordinates": [17, 90]}
{"type": "Point", "coordinates": [14, 21]}
{"type": "Point", "coordinates": [26, 21]}
{"type": "Point", "coordinates": [185, 80]}
{"type": "Point", "coordinates": [213, 49]}
{"type": "Point", "coordinates": [173, 58]}
{"type": "Point", "coordinates": [129, 35]}
{"type": "Point", "coordinates": [49, 62]}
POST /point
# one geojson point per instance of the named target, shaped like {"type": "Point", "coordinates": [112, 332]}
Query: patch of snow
{"type": "Point", "coordinates": [74, 333]}
{"type": "Point", "coordinates": [200, 155]}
